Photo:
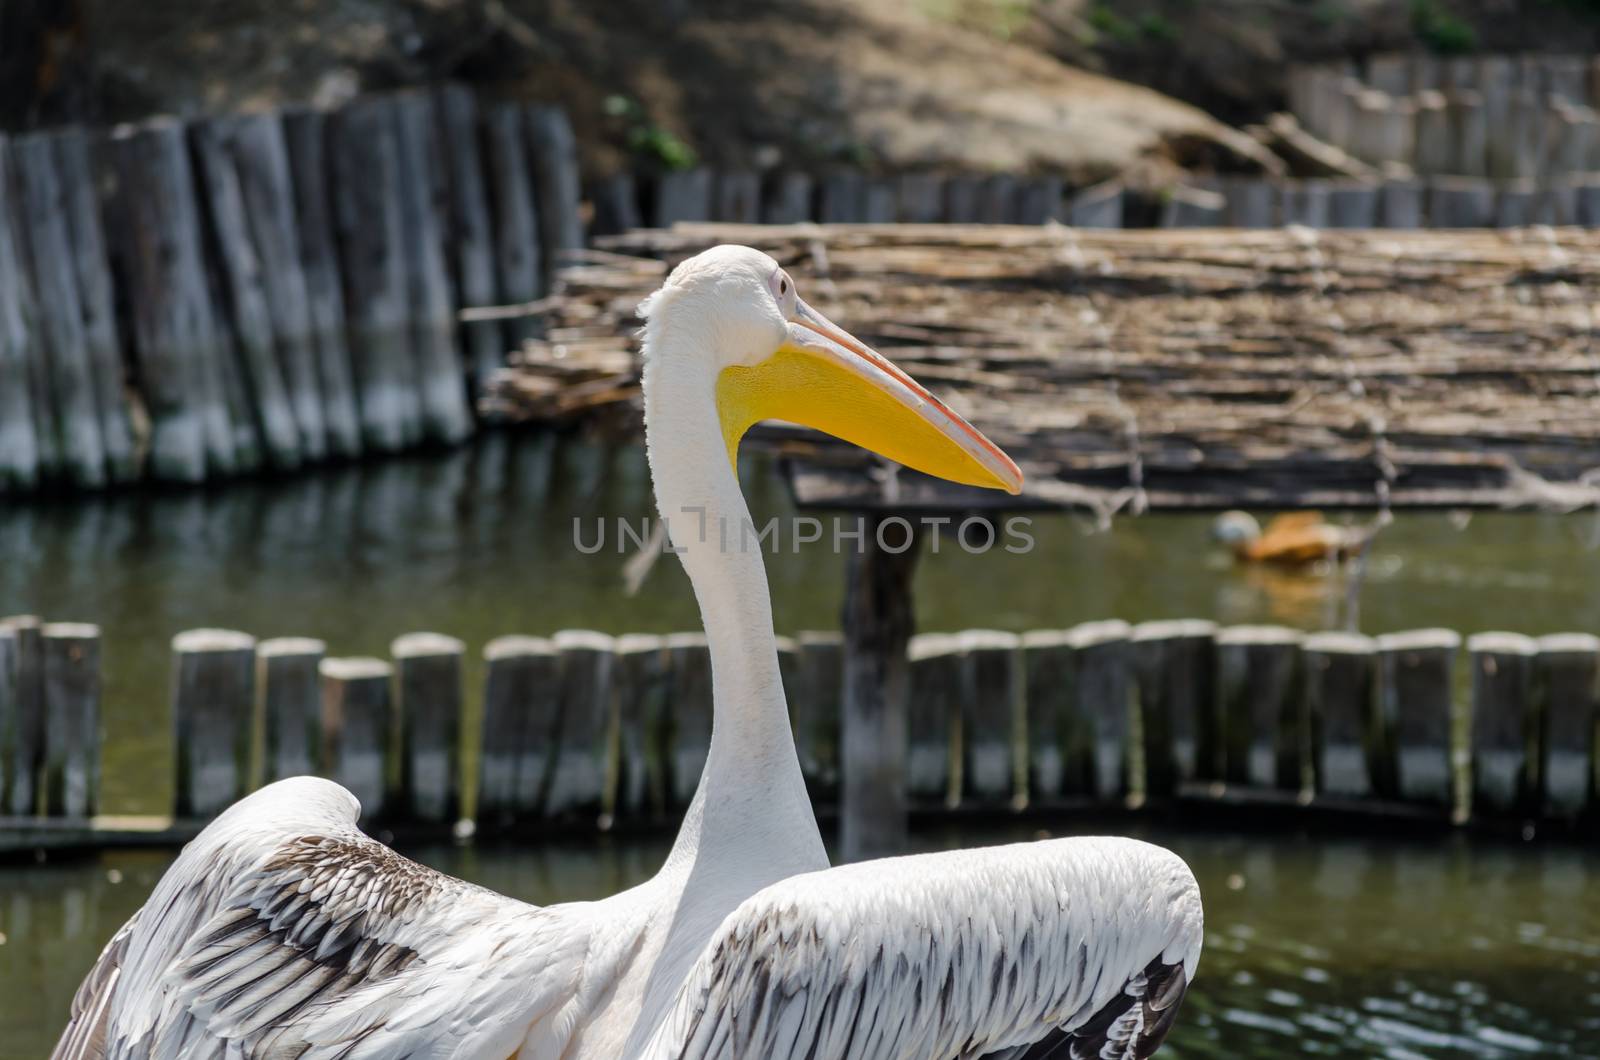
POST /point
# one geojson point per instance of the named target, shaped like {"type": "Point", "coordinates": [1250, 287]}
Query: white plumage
{"type": "Point", "coordinates": [284, 932]}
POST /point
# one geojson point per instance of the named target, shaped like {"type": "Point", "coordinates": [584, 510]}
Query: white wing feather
{"type": "Point", "coordinates": [1075, 947]}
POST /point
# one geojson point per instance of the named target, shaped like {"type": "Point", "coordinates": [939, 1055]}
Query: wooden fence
{"type": "Point", "coordinates": [583, 727]}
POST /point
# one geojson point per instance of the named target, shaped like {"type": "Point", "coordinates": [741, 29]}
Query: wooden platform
{"type": "Point", "coordinates": [1167, 369]}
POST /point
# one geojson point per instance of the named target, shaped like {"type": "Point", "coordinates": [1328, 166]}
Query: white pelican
{"type": "Point", "coordinates": [283, 931]}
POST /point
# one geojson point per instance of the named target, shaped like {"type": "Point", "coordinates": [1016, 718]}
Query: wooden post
{"type": "Point", "coordinates": [1414, 698]}
{"type": "Point", "coordinates": [816, 713]}
{"type": "Point", "coordinates": [241, 273]}
{"type": "Point", "coordinates": [961, 199]}
{"type": "Point", "coordinates": [1505, 728]}
{"type": "Point", "coordinates": [428, 692]}
{"type": "Point", "coordinates": [787, 200]}
{"type": "Point", "coordinates": [554, 149]}
{"type": "Point", "coordinates": [1514, 203]}
{"type": "Point", "coordinates": [180, 349]}
{"type": "Point", "coordinates": [578, 781]}
{"type": "Point", "coordinates": [1523, 136]}
{"type": "Point", "coordinates": [841, 198]}
{"type": "Point", "coordinates": [919, 198]}
{"type": "Point", "coordinates": [1436, 142]}
{"type": "Point", "coordinates": [1460, 202]}
{"type": "Point", "coordinates": [991, 697]}
{"type": "Point", "coordinates": [1469, 131]}
{"type": "Point", "coordinates": [1039, 200]}
{"type": "Point", "coordinates": [1567, 702]}
{"type": "Point", "coordinates": [21, 459]}
{"type": "Point", "coordinates": [70, 415]}
{"type": "Point", "coordinates": [1047, 665]}
{"type": "Point", "coordinates": [305, 139]}
{"type": "Point", "coordinates": [1174, 669]}
{"type": "Point", "coordinates": [1102, 703]}
{"type": "Point", "coordinates": [1250, 202]}
{"type": "Point", "coordinates": [25, 769]}
{"type": "Point", "coordinates": [1304, 202]}
{"type": "Point", "coordinates": [1400, 204]}
{"type": "Point", "coordinates": [470, 233]}
{"type": "Point", "coordinates": [520, 700]}
{"type": "Point", "coordinates": [442, 393]}
{"type": "Point", "coordinates": [737, 198]}
{"type": "Point", "coordinates": [1260, 687]}
{"type": "Point", "coordinates": [1352, 204]}
{"type": "Point", "coordinates": [1587, 195]}
{"type": "Point", "coordinates": [639, 695]}
{"type": "Point", "coordinates": [1341, 698]}
{"type": "Point", "coordinates": [19, 764]}
{"type": "Point", "coordinates": [682, 195]}
{"type": "Point", "coordinates": [1099, 206]}
{"type": "Point", "coordinates": [877, 621]}
{"type": "Point", "coordinates": [1390, 73]}
{"type": "Point", "coordinates": [933, 718]}
{"type": "Point", "coordinates": [878, 202]}
{"type": "Point", "coordinates": [70, 675]}
{"type": "Point", "coordinates": [1188, 207]}
{"type": "Point", "coordinates": [518, 258]}
{"type": "Point", "coordinates": [369, 204]}
{"type": "Point", "coordinates": [286, 680]}
{"type": "Point", "coordinates": [616, 205]}
{"type": "Point", "coordinates": [997, 199]}
{"type": "Point", "coordinates": [213, 696]}
{"type": "Point", "coordinates": [1556, 204]}
{"type": "Point", "coordinates": [688, 737]}
{"type": "Point", "coordinates": [1496, 83]}
{"type": "Point", "coordinates": [357, 719]}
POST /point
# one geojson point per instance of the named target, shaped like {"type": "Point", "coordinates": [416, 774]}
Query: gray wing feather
{"type": "Point", "coordinates": [960, 955]}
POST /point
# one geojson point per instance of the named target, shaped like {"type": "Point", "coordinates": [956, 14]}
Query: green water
{"type": "Point", "coordinates": [1316, 946]}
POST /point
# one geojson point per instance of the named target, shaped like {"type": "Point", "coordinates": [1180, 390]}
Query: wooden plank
{"type": "Point", "coordinates": [1414, 698]}
{"type": "Point", "coordinates": [639, 691]}
{"type": "Point", "coordinates": [688, 714]}
{"type": "Point", "coordinates": [25, 765]}
{"type": "Point", "coordinates": [1567, 687]}
{"type": "Point", "coordinates": [428, 700]}
{"type": "Point", "coordinates": [1174, 673]}
{"type": "Point", "coordinates": [519, 259]}
{"type": "Point", "coordinates": [1102, 702]}
{"type": "Point", "coordinates": [20, 455]}
{"type": "Point", "coordinates": [815, 713]}
{"type": "Point", "coordinates": [1260, 687]}
{"type": "Point", "coordinates": [991, 697]}
{"type": "Point", "coordinates": [357, 719]}
{"type": "Point", "coordinates": [1341, 696]}
{"type": "Point", "coordinates": [1505, 727]}
{"type": "Point", "coordinates": [69, 660]}
{"type": "Point", "coordinates": [469, 232]}
{"type": "Point", "coordinates": [291, 705]}
{"type": "Point", "coordinates": [519, 726]}
{"type": "Point", "coordinates": [242, 277]}
{"type": "Point", "coordinates": [369, 211]}
{"type": "Point", "coordinates": [174, 329]}
{"type": "Point", "coordinates": [554, 151]}
{"type": "Point", "coordinates": [933, 719]}
{"type": "Point", "coordinates": [787, 199]}
{"type": "Point", "coordinates": [445, 416]}
{"type": "Point", "coordinates": [578, 782]}
{"type": "Point", "coordinates": [305, 136]}
{"type": "Point", "coordinates": [213, 696]}
{"type": "Point", "coordinates": [259, 152]}
{"type": "Point", "coordinates": [69, 415]}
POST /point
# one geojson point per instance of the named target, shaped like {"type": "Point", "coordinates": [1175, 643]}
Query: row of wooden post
{"type": "Point", "coordinates": [291, 281]}
{"type": "Point", "coordinates": [583, 725]}
{"type": "Point", "coordinates": [1502, 116]}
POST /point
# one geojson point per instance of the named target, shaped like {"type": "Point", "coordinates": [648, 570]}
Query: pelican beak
{"type": "Point", "coordinates": [823, 377]}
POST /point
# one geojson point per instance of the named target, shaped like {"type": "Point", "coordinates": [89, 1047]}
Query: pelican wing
{"type": "Point", "coordinates": [283, 931]}
{"type": "Point", "coordinates": [1071, 948]}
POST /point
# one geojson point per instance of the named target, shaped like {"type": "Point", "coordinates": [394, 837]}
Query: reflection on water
{"type": "Point", "coordinates": [1315, 947]}
{"type": "Point", "coordinates": [479, 542]}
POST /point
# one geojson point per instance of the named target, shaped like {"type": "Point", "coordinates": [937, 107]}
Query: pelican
{"type": "Point", "coordinates": [283, 931]}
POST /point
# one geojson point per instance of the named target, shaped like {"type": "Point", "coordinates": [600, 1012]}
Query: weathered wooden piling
{"type": "Point", "coordinates": [517, 743]}
{"type": "Point", "coordinates": [291, 705]}
{"type": "Point", "coordinates": [841, 197]}
{"type": "Point", "coordinates": [1460, 202]}
{"type": "Point", "coordinates": [1414, 699]}
{"type": "Point", "coordinates": [22, 715]}
{"type": "Point", "coordinates": [1567, 703]}
{"type": "Point", "coordinates": [1099, 206]}
{"type": "Point", "coordinates": [933, 718]}
{"type": "Point", "coordinates": [1260, 688]}
{"type": "Point", "coordinates": [1038, 200]}
{"type": "Point", "coordinates": [878, 201]}
{"type": "Point", "coordinates": [1047, 666]}
{"type": "Point", "coordinates": [578, 783]}
{"type": "Point", "coordinates": [428, 700]}
{"type": "Point", "coordinates": [787, 199]}
{"type": "Point", "coordinates": [688, 713]}
{"type": "Point", "coordinates": [305, 139]}
{"type": "Point", "coordinates": [519, 259]}
{"type": "Point", "coordinates": [1352, 204]}
{"type": "Point", "coordinates": [1189, 207]}
{"type": "Point", "coordinates": [469, 231]}
{"type": "Point", "coordinates": [1102, 703]}
{"type": "Point", "coordinates": [554, 150]}
{"type": "Point", "coordinates": [736, 199]}
{"type": "Point", "coordinates": [20, 455]}
{"type": "Point", "coordinates": [369, 213]}
{"type": "Point", "coordinates": [69, 415]}
{"type": "Point", "coordinates": [1250, 202]}
{"type": "Point", "coordinates": [616, 205]}
{"type": "Point", "coordinates": [174, 329]}
{"type": "Point", "coordinates": [815, 713]}
{"type": "Point", "coordinates": [682, 195]}
{"type": "Point", "coordinates": [997, 199]}
{"type": "Point", "coordinates": [961, 198]}
{"type": "Point", "coordinates": [1400, 204]}
{"type": "Point", "coordinates": [1304, 202]}
{"type": "Point", "coordinates": [213, 696]}
{"type": "Point", "coordinates": [1469, 130]}
{"type": "Point", "coordinates": [1505, 727]}
{"type": "Point", "coordinates": [69, 663]}
{"type": "Point", "coordinates": [1436, 143]}
{"type": "Point", "coordinates": [1341, 699]}
{"type": "Point", "coordinates": [991, 698]}
{"type": "Point", "coordinates": [1174, 672]}
{"type": "Point", "coordinates": [357, 720]}
{"type": "Point", "coordinates": [639, 704]}
{"type": "Point", "coordinates": [919, 198]}
{"type": "Point", "coordinates": [1514, 203]}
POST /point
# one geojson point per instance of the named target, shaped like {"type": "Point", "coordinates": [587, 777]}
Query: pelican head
{"type": "Point", "coordinates": [775, 357]}
{"type": "Point", "coordinates": [1235, 528]}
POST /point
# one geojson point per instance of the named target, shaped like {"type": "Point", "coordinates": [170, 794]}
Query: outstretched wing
{"type": "Point", "coordinates": [283, 931]}
{"type": "Point", "coordinates": [1071, 948]}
